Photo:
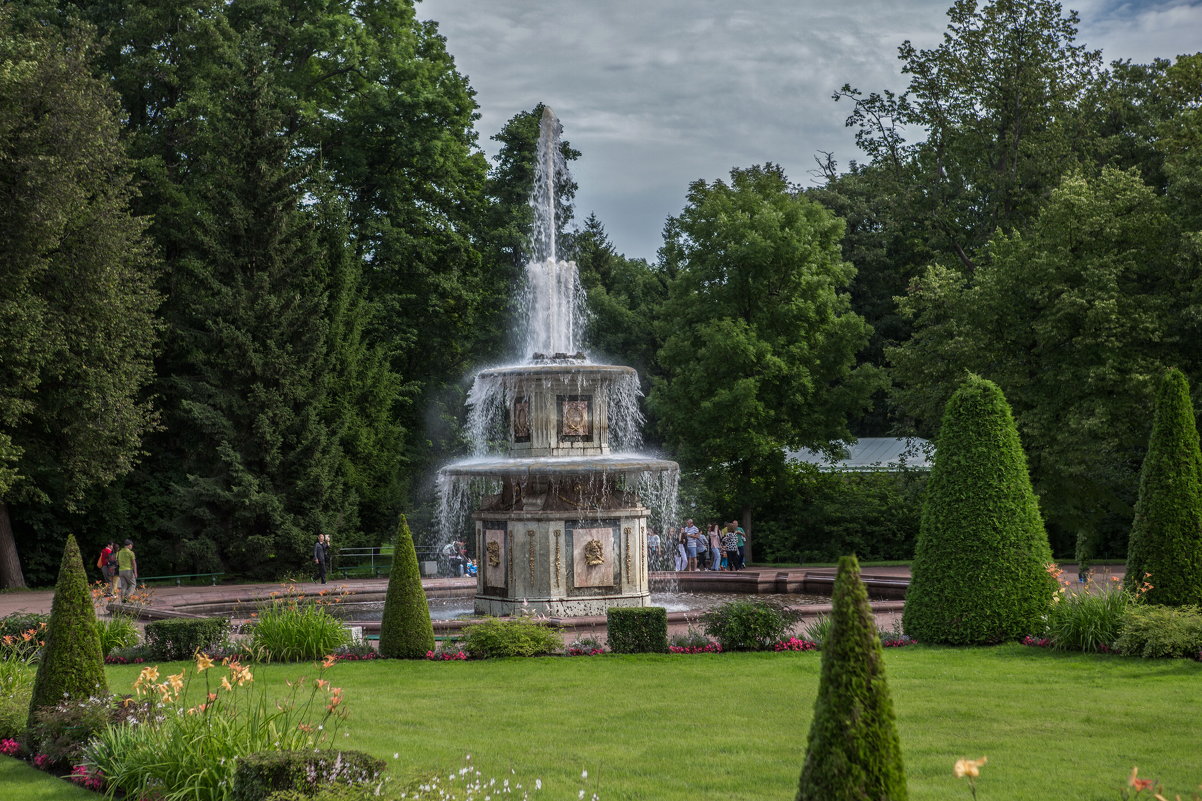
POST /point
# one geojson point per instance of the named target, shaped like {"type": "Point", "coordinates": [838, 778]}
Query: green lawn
{"type": "Point", "coordinates": [733, 726]}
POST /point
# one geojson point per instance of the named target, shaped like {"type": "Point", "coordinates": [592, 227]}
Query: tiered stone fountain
{"type": "Point", "coordinates": [561, 528]}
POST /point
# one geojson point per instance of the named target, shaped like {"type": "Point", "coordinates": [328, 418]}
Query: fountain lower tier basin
{"type": "Point", "coordinates": [584, 466]}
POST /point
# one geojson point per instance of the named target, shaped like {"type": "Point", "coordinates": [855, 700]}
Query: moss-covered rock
{"type": "Point", "coordinates": [853, 753]}
{"type": "Point", "coordinates": [1165, 544]}
{"type": "Point", "coordinates": [980, 565]}
{"type": "Point", "coordinates": [405, 630]}
{"type": "Point", "coordinates": [72, 665]}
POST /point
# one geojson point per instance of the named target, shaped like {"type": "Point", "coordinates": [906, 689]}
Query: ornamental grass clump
{"type": "Point", "coordinates": [188, 747]}
{"type": "Point", "coordinates": [978, 575]}
{"type": "Point", "coordinates": [1166, 535]}
{"type": "Point", "coordinates": [294, 629]}
{"type": "Point", "coordinates": [1088, 618]}
{"type": "Point", "coordinates": [406, 631]}
{"type": "Point", "coordinates": [853, 753]}
{"type": "Point", "coordinates": [71, 665]}
{"type": "Point", "coordinates": [116, 632]}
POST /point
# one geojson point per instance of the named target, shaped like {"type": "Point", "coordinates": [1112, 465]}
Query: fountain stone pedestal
{"type": "Point", "coordinates": [567, 533]}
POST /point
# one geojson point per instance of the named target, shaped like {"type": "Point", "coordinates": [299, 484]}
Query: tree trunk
{"type": "Point", "coordinates": [11, 576]}
{"type": "Point", "coordinates": [747, 533]}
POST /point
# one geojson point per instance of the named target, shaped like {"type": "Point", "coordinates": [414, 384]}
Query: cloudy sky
{"type": "Point", "coordinates": [659, 93]}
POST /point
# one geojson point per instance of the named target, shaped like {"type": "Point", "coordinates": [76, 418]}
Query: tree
{"type": "Point", "coordinates": [624, 296]}
{"type": "Point", "coordinates": [1088, 298]}
{"type": "Point", "coordinates": [980, 566]}
{"type": "Point", "coordinates": [72, 664]}
{"type": "Point", "coordinates": [77, 313]}
{"type": "Point", "coordinates": [853, 753]}
{"type": "Point", "coordinates": [759, 339]}
{"type": "Point", "coordinates": [999, 102]}
{"type": "Point", "coordinates": [1165, 547]}
{"type": "Point", "coordinates": [405, 629]}
{"type": "Point", "coordinates": [254, 394]}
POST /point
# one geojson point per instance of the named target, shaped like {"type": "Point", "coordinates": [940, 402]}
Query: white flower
{"type": "Point", "coordinates": [538, 784]}
{"type": "Point", "coordinates": [397, 755]}
{"type": "Point", "coordinates": [581, 792]}
{"type": "Point", "coordinates": [584, 774]}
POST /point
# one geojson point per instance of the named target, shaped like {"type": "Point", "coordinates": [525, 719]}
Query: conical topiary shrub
{"type": "Point", "coordinates": [405, 631]}
{"type": "Point", "coordinates": [1166, 536]}
{"type": "Point", "coordinates": [980, 565]}
{"type": "Point", "coordinates": [853, 753]}
{"type": "Point", "coordinates": [72, 664]}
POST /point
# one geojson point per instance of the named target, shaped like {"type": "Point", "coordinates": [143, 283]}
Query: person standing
{"type": "Point", "coordinates": [655, 550]}
{"type": "Point", "coordinates": [715, 538]}
{"type": "Point", "coordinates": [741, 537]}
{"type": "Point", "coordinates": [692, 544]}
{"type": "Point", "coordinates": [108, 567]}
{"type": "Point", "coordinates": [127, 570]}
{"type": "Point", "coordinates": [682, 558]}
{"type": "Point", "coordinates": [321, 556]}
{"type": "Point", "coordinates": [730, 546]}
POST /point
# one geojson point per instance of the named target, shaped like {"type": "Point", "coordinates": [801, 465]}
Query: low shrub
{"type": "Point", "coordinates": [20, 622]}
{"type": "Point", "coordinates": [176, 640]}
{"type": "Point", "coordinates": [291, 629]}
{"type": "Point", "coordinates": [1084, 620]}
{"type": "Point", "coordinates": [637, 629]}
{"type": "Point", "coordinates": [116, 632]}
{"type": "Point", "coordinates": [60, 732]}
{"type": "Point", "coordinates": [692, 638]}
{"type": "Point", "coordinates": [494, 638]}
{"type": "Point", "coordinates": [753, 625]}
{"type": "Point", "coordinates": [259, 775]}
{"type": "Point", "coordinates": [1153, 631]}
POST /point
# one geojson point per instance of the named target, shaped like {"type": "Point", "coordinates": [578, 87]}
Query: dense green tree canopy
{"type": "Point", "coordinates": [77, 311]}
{"type": "Point", "coordinates": [759, 339]}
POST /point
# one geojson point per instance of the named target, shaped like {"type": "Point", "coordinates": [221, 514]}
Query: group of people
{"type": "Point", "coordinates": [717, 548]}
{"type": "Point", "coordinates": [119, 568]}
{"type": "Point", "coordinates": [454, 556]}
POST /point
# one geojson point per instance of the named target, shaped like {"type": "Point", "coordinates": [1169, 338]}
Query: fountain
{"type": "Point", "coordinates": [561, 522]}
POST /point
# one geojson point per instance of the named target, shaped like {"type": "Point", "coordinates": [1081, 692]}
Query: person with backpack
{"type": "Point", "coordinates": [108, 567]}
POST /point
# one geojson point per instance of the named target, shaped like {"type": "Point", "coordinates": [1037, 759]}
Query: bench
{"type": "Point", "coordinates": [179, 578]}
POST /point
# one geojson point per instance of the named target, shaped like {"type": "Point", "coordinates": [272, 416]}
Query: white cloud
{"type": "Point", "coordinates": [659, 93]}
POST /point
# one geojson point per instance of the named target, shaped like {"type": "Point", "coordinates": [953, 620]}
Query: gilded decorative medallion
{"type": "Point", "coordinates": [521, 420]}
{"type": "Point", "coordinates": [594, 553]}
{"type": "Point", "coordinates": [494, 554]}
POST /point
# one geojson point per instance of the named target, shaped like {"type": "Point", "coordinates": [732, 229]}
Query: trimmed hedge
{"type": "Point", "coordinates": [173, 640]}
{"type": "Point", "coordinates": [853, 753]}
{"type": "Point", "coordinates": [71, 665]}
{"type": "Point", "coordinates": [980, 566]}
{"type": "Point", "coordinates": [1166, 536]}
{"type": "Point", "coordinates": [406, 631]}
{"type": "Point", "coordinates": [259, 775]}
{"type": "Point", "coordinates": [637, 629]}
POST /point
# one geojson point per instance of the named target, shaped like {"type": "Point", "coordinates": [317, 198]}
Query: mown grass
{"type": "Point", "coordinates": [733, 726]}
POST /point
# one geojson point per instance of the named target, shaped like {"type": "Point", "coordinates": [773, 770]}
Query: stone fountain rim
{"type": "Point", "coordinates": [542, 370]}
{"type": "Point", "coordinates": [506, 467]}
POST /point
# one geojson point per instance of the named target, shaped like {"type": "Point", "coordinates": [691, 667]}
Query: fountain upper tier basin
{"type": "Point", "coordinates": [502, 467]}
{"type": "Point", "coordinates": [578, 371]}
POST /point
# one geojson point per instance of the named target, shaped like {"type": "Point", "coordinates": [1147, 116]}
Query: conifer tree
{"type": "Point", "coordinates": [980, 565]}
{"type": "Point", "coordinates": [1165, 545]}
{"type": "Point", "coordinates": [853, 753]}
{"type": "Point", "coordinates": [72, 665]}
{"type": "Point", "coordinates": [405, 630]}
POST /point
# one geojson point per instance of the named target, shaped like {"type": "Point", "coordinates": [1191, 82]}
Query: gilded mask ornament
{"type": "Point", "coordinates": [594, 554]}
{"type": "Point", "coordinates": [494, 554]}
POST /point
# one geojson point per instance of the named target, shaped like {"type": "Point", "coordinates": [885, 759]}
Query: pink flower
{"type": "Point", "coordinates": [9, 747]}
{"type": "Point", "coordinates": [40, 761]}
